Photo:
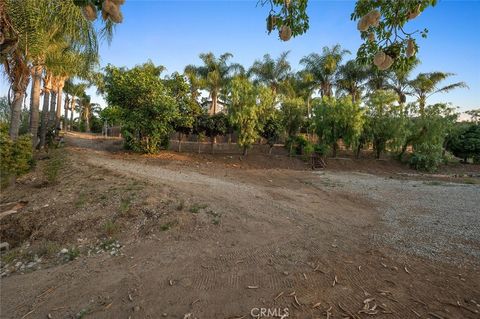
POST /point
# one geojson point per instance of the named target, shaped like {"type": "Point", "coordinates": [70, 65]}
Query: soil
{"type": "Point", "coordinates": [176, 235]}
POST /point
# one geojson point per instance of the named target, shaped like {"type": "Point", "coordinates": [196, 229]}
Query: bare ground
{"type": "Point", "coordinates": [205, 236]}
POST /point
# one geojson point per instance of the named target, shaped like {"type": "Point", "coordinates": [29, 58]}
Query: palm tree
{"type": "Point", "coordinates": [377, 79]}
{"type": "Point", "coordinates": [86, 108]}
{"type": "Point", "coordinates": [31, 28]}
{"type": "Point", "coordinates": [399, 80]}
{"type": "Point", "coordinates": [72, 91]}
{"type": "Point", "coordinates": [271, 72]}
{"type": "Point", "coordinates": [214, 74]}
{"type": "Point", "coordinates": [426, 85]}
{"type": "Point", "coordinates": [324, 66]}
{"type": "Point", "coordinates": [350, 79]}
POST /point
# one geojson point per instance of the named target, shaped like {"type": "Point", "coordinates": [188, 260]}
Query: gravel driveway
{"type": "Point", "coordinates": [432, 219]}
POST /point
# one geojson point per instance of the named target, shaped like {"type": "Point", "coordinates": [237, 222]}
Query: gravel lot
{"type": "Point", "coordinates": [432, 219]}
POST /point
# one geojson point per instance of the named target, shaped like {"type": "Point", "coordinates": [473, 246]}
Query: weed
{"type": "Point", "coordinates": [196, 208]}
{"type": "Point", "coordinates": [110, 228]}
{"type": "Point", "coordinates": [72, 253]}
{"type": "Point", "coordinates": [216, 217]}
{"type": "Point", "coordinates": [81, 200]}
{"type": "Point", "coordinates": [471, 181]}
{"type": "Point", "coordinates": [108, 243]}
{"type": "Point", "coordinates": [167, 226]}
{"type": "Point", "coordinates": [10, 256]}
{"type": "Point", "coordinates": [82, 313]}
{"type": "Point", "coordinates": [53, 166]}
{"type": "Point", "coordinates": [433, 183]}
{"type": "Point", "coordinates": [125, 205]}
{"type": "Point", "coordinates": [46, 248]}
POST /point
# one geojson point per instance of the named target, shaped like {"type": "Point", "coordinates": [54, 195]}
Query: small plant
{"type": "Point", "coordinates": [196, 208]}
{"type": "Point", "coordinates": [53, 166]}
{"type": "Point", "coordinates": [125, 205]}
{"type": "Point", "coordinates": [216, 217]}
{"type": "Point", "coordinates": [72, 253]}
{"type": "Point", "coordinates": [167, 226]}
{"type": "Point", "coordinates": [81, 200]}
{"type": "Point", "coordinates": [110, 228]}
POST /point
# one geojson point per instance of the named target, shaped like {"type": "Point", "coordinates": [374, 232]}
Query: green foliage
{"type": "Point", "coordinates": [287, 13]}
{"type": "Point", "coordinates": [16, 157]}
{"type": "Point", "coordinates": [111, 114]}
{"type": "Point", "coordinates": [385, 121]}
{"type": "Point", "coordinates": [391, 35]}
{"type": "Point", "coordinates": [337, 118]}
{"type": "Point", "coordinates": [147, 106]}
{"type": "Point", "coordinates": [244, 111]}
{"type": "Point", "coordinates": [464, 141]}
{"type": "Point", "coordinates": [428, 135]}
{"type": "Point", "coordinates": [297, 144]}
{"type": "Point", "coordinates": [271, 129]}
{"type": "Point", "coordinates": [293, 110]}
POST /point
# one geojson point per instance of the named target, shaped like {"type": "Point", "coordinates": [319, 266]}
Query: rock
{"type": "Point", "coordinates": [18, 264]}
{"type": "Point", "coordinates": [31, 265]}
{"type": "Point", "coordinates": [4, 246]}
{"type": "Point", "coordinates": [285, 273]}
{"type": "Point", "coordinates": [64, 251]}
{"type": "Point", "coordinates": [136, 308]}
{"type": "Point", "coordinates": [164, 314]}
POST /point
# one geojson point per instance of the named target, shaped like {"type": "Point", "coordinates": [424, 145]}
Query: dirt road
{"type": "Point", "coordinates": [219, 239]}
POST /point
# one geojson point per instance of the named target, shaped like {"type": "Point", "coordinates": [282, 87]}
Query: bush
{"type": "Point", "coordinates": [464, 141]}
{"type": "Point", "coordinates": [427, 158]}
{"type": "Point", "coordinates": [322, 149]}
{"type": "Point", "coordinates": [16, 158]}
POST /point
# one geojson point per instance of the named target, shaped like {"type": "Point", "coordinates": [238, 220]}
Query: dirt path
{"type": "Point", "coordinates": [240, 239]}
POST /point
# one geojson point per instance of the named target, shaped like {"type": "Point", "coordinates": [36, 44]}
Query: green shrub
{"type": "Point", "coordinates": [427, 157]}
{"type": "Point", "coordinates": [16, 157]}
{"type": "Point", "coordinates": [322, 149]}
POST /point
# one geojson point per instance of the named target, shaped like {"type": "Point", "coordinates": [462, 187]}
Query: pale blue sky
{"type": "Point", "coordinates": [173, 33]}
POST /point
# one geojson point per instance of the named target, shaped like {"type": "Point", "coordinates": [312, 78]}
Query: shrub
{"type": "Point", "coordinates": [427, 157]}
{"type": "Point", "coordinates": [16, 157]}
{"type": "Point", "coordinates": [464, 141]}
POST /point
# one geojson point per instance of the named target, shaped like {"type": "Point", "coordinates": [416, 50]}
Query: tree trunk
{"type": "Point", "coordinates": [58, 112]}
{"type": "Point", "coordinates": [66, 103]}
{"type": "Point", "coordinates": [214, 103]}
{"type": "Point", "coordinates": [52, 112]}
{"type": "Point", "coordinates": [179, 142]}
{"type": "Point", "coordinates": [72, 108]}
{"type": "Point", "coordinates": [212, 139]}
{"type": "Point", "coordinates": [245, 151]}
{"type": "Point", "coordinates": [15, 119]}
{"type": "Point", "coordinates": [357, 153]}
{"type": "Point", "coordinates": [35, 103]}
{"type": "Point", "coordinates": [270, 150]}
{"type": "Point", "coordinates": [45, 116]}
{"type": "Point", "coordinates": [87, 120]}
{"type": "Point", "coordinates": [334, 149]}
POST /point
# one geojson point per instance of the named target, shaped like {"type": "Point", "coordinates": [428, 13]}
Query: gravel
{"type": "Point", "coordinates": [437, 220]}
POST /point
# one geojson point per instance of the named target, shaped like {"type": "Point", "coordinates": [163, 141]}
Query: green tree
{"type": "Point", "coordinates": [384, 120]}
{"type": "Point", "coordinates": [244, 111]}
{"type": "Point", "coordinates": [336, 119]}
{"type": "Point", "coordinates": [464, 141]}
{"type": "Point", "coordinates": [350, 79]}
{"type": "Point", "coordinates": [147, 106]}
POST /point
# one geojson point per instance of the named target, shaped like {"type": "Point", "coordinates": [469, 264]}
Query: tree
{"type": "Point", "coordinates": [271, 72]}
{"type": "Point", "coordinates": [323, 67]}
{"type": "Point", "coordinates": [426, 85]}
{"type": "Point", "coordinates": [350, 79]}
{"type": "Point", "coordinates": [464, 141]}
{"type": "Point", "coordinates": [86, 108]}
{"type": "Point", "coordinates": [244, 111]}
{"type": "Point", "coordinates": [336, 119]}
{"type": "Point", "coordinates": [384, 120]}
{"type": "Point", "coordinates": [147, 106]}
{"type": "Point", "coordinates": [399, 80]}
{"type": "Point", "coordinates": [474, 115]}
{"type": "Point", "coordinates": [293, 115]}
{"type": "Point", "coordinates": [214, 75]}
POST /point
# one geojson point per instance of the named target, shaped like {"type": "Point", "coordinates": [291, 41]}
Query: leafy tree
{"type": "Point", "coordinates": [428, 136]}
{"type": "Point", "coordinates": [464, 142]}
{"type": "Point", "coordinates": [336, 119]}
{"type": "Point", "coordinates": [474, 115]}
{"type": "Point", "coordinates": [243, 111]}
{"type": "Point", "coordinates": [293, 114]}
{"type": "Point", "coordinates": [323, 67]}
{"type": "Point", "coordinates": [384, 120]}
{"type": "Point", "coordinates": [147, 105]}
{"type": "Point", "coordinates": [111, 115]}
{"type": "Point", "coordinates": [213, 126]}
{"type": "Point", "coordinates": [271, 130]}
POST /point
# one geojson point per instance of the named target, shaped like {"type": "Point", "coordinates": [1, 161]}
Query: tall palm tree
{"type": "Point", "coordinates": [31, 26]}
{"type": "Point", "coordinates": [350, 79]}
{"type": "Point", "coordinates": [426, 85]}
{"type": "Point", "coordinates": [214, 74]}
{"type": "Point", "coordinates": [73, 91]}
{"type": "Point", "coordinates": [271, 72]}
{"type": "Point", "coordinates": [377, 79]}
{"type": "Point", "coordinates": [86, 108]}
{"type": "Point", "coordinates": [399, 80]}
{"type": "Point", "coordinates": [324, 66]}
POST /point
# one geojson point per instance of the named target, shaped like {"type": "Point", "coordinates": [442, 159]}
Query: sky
{"type": "Point", "coordinates": [174, 33]}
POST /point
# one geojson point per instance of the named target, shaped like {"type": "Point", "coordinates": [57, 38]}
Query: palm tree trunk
{"type": "Point", "coordinates": [66, 103]}
{"type": "Point", "coordinates": [214, 103]}
{"type": "Point", "coordinates": [72, 108]}
{"type": "Point", "coordinates": [35, 103]}
{"type": "Point", "coordinates": [45, 116]}
{"type": "Point", "coordinates": [51, 113]}
{"type": "Point", "coordinates": [20, 84]}
{"type": "Point", "coordinates": [87, 119]}
{"type": "Point", "coordinates": [58, 112]}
